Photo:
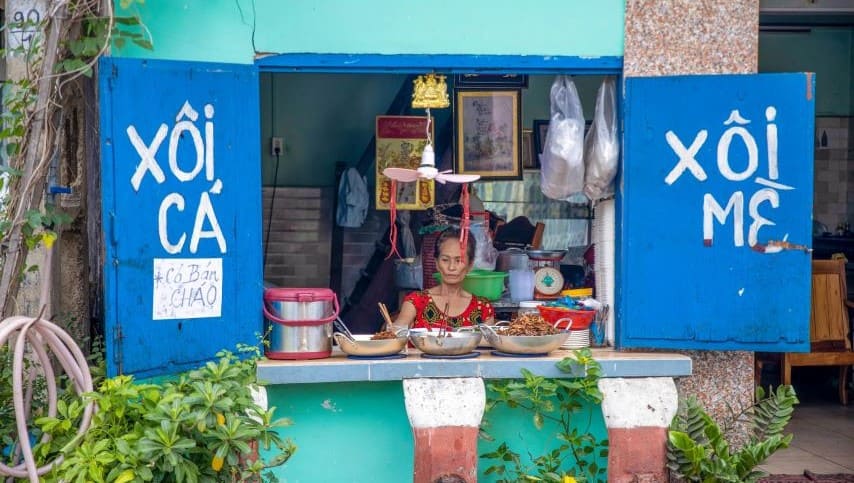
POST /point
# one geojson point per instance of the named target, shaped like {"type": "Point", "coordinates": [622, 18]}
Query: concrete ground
{"type": "Point", "coordinates": [824, 435]}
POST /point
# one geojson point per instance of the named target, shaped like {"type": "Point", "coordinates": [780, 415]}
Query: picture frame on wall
{"type": "Point", "coordinates": [488, 134]}
{"type": "Point", "coordinates": [529, 159]}
{"type": "Point", "coordinates": [541, 129]}
{"type": "Point", "coordinates": [491, 81]}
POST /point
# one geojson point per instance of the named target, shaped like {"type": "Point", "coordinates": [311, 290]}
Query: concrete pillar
{"type": "Point", "coordinates": [445, 415]}
{"type": "Point", "coordinates": [637, 413]}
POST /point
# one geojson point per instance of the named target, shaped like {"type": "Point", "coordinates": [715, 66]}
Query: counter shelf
{"type": "Point", "coordinates": [340, 368]}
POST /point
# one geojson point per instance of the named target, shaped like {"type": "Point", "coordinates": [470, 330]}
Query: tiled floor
{"type": "Point", "coordinates": [823, 442]}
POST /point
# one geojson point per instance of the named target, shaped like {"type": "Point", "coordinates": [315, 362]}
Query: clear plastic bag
{"type": "Point", "coordinates": [562, 162]}
{"type": "Point", "coordinates": [601, 146]}
{"type": "Point", "coordinates": [485, 254]}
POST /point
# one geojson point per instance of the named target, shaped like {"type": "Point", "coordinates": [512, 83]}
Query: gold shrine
{"type": "Point", "coordinates": [430, 92]}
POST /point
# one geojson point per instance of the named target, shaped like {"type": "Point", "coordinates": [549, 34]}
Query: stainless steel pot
{"type": "Point", "coordinates": [299, 321]}
{"type": "Point", "coordinates": [524, 344]}
{"type": "Point", "coordinates": [448, 344]}
{"type": "Point", "coordinates": [512, 259]}
{"type": "Point", "coordinates": [362, 345]}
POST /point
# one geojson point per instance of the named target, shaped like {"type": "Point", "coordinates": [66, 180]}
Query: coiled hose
{"type": "Point", "coordinates": [40, 334]}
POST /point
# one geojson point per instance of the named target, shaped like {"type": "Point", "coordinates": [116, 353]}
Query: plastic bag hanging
{"type": "Point", "coordinates": [407, 241]}
{"type": "Point", "coordinates": [601, 146]}
{"type": "Point", "coordinates": [562, 162]}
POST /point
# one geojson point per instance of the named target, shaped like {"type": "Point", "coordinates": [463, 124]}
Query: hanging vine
{"type": "Point", "coordinates": [54, 50]}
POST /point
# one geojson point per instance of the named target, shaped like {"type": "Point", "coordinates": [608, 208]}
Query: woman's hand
{"type": "Point", "coordinates": [406, 316]}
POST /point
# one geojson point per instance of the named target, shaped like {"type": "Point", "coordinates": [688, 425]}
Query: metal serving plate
{"type": "Point", "coordinates": [364, 346]}
{"type": "Point", "coordinates": [450, 344]}
{"type": "Point", "coordinates": [524, 344]}
{"type": "Point", "coordinates": [545, 254]}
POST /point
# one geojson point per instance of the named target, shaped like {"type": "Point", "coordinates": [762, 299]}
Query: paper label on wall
{"type": "Point", "coordinates": [187, 288]}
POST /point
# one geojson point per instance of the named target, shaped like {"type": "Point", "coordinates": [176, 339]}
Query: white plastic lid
{"type": "Point", "coordinates": [531, 304]}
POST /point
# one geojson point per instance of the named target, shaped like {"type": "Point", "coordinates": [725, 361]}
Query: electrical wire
{"type": "Point", "coordinates": [270, 211]}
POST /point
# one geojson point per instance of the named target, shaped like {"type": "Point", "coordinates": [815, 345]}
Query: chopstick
{"type": "Point", "coordinates": [386, 315]}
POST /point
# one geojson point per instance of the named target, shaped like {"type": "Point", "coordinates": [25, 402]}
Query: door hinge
{"type": "Point", "coordinates": [114, 74]}
{"type": "Point", "coordinates": [118, 336]}
{"type": "Point", "coordinates": [113, 239]}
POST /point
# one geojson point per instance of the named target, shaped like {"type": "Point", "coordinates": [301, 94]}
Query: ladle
{"type": "Point", "coordinates": [342, 327]}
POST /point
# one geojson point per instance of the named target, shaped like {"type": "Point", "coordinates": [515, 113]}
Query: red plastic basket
{"type": "Point", "coordinates": [581, 319]}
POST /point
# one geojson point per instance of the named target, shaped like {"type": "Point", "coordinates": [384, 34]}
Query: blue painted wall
{"type": "Point", "coordinates": [233, 30]}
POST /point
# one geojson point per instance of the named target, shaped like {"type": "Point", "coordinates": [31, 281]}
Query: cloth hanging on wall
{"type": "Point", "coordinates": [352, 199]}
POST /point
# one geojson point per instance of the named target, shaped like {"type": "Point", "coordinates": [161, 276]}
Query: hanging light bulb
{"type": "Point", "coordinates": [428, 156]}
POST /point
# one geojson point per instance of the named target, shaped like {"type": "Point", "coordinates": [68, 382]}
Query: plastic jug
{"type": "Point", "coordinates": [521, 285]}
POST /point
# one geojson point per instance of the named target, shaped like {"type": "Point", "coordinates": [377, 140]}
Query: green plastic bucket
{"type": "Point", "coordinates": [483, 283]}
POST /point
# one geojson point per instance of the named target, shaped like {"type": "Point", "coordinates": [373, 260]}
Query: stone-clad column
{"type": "Point", "coordinates": [445, 415]}
{"type": "Point", "coordinates": [637, 413]}
{"type": "Point", "coordinates": [679, 37]}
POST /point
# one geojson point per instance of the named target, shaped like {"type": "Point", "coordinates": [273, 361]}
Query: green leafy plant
{"type": "Point", "coordinates": [697, 450]}
{"type": "Point", "coordinates": [203, 426]}
{"type": "Point", "coordinates": [562, 402]}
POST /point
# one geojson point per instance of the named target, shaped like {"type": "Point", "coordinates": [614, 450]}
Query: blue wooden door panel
{"type": "Point", "coordinates": [181, 197]}
{"type": "Point", "coordinates": [716, 210]}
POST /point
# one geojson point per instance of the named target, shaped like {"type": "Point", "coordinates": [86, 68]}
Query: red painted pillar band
{"type": "Point", "coordinates": [449, 452]}
{"type": "Point", "coordinates": [637, 413]}
{"type": "Point", "coordinates": [445, 415]}
{"type": "Point", "coordinates": [637, 455]}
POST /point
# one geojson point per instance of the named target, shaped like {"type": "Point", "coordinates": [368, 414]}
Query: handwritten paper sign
{"type": "Point", "coordinates": [187, 288]}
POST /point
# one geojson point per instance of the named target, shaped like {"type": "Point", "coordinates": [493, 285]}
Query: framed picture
{"type": "Point", "coordinates": [488, 134]}
{"type": "Point", "coordinates": [541, 128]}
{"type": "Point", "coordinates": [529, 159]}
{"type": "Point", "coordinates": [487, 81]}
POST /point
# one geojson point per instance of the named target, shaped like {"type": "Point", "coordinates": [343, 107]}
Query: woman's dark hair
{"type": "Point", "coordinates": [454, 234]}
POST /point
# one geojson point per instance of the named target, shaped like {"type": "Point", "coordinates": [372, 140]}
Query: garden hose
{"type": "Point", "coordinates": [40, 335]}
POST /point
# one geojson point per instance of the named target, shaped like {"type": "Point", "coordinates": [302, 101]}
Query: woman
{"type": "Point", "coordinates": [447, 305]}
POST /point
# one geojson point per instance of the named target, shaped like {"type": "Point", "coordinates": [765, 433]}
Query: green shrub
{"type": "Point", "coordinates": [560, 401]}
{"type": "Point", "coordinates": [203, 426]}
{"type": "Point", "coordinates": [697, 450]}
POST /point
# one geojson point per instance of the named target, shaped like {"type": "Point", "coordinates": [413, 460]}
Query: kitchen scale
{"type": "Point", "coordinates": [548, 281]}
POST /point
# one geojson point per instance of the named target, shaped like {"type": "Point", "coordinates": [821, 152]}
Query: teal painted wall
{"type": "Point", "coordinates": [359, 432]}
{"type": "Point", "coordinates": [222, 30]}
{"type": "Point", "coordinates": [329, 118]}
{"type": "Point", "coordinates": [323, 118]}
{"type": "Point", "coordinates": [826, 51]}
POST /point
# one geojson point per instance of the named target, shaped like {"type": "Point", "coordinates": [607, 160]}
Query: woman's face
{"type": "Point", "coordinates": [450, 262]}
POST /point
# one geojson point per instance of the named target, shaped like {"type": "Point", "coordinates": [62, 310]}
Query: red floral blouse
{"type": "Point", "coordinates": [428, 315]}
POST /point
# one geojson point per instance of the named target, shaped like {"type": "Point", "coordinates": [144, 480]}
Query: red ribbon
{"type": "Point", "coordinates": [464, 223]}
{"type": "Point", "coordinates": [392, 213]}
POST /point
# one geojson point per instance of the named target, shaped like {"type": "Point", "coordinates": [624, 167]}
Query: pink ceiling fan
{"type": "Point", "coordinates": [427, 169]}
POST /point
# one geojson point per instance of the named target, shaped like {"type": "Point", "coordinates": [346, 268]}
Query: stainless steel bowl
{"type": "Point", "coordinates": [524, 344]}
{"type": "Point", "coordinates": [364, 346]}
{"type": "Point", "coordinates": [452, 344]}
